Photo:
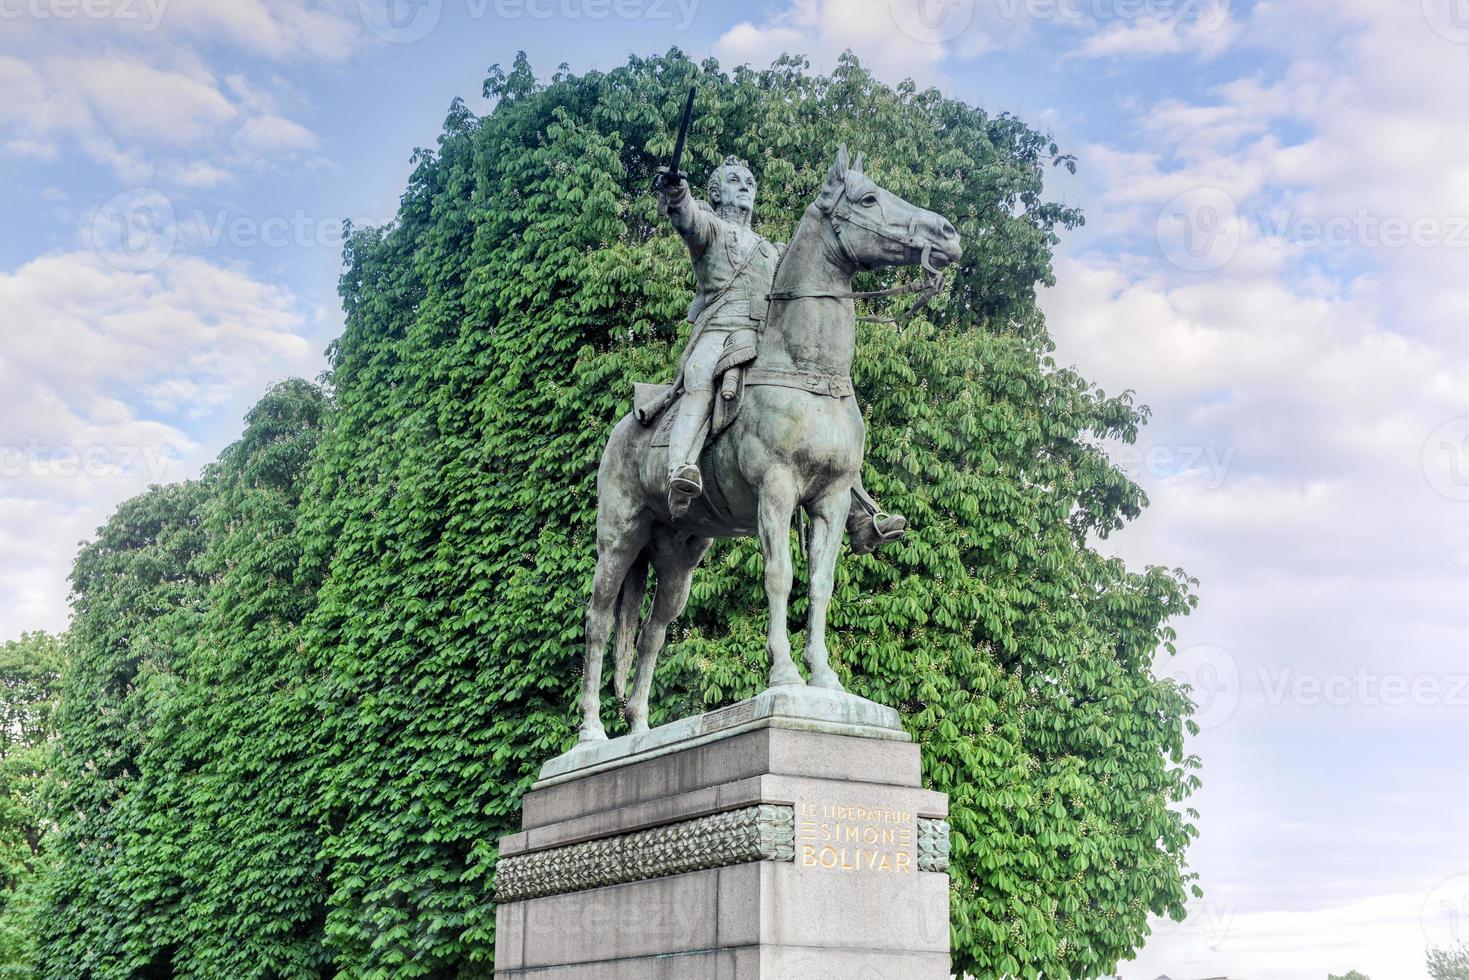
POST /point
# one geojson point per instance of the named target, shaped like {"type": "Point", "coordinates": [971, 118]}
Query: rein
{"type": "Point", "coordinates": [926, 290]}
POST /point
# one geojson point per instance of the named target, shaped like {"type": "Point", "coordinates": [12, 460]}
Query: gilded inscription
{"type": "Point", "coordinates": [841, 837]}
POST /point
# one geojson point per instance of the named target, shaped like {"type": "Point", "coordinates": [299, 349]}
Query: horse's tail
{"type": "Point", "coordinates": [625, 625]}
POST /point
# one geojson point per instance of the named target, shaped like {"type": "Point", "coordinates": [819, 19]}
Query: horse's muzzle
{"type": "Point", "coordinates": [942, 245]}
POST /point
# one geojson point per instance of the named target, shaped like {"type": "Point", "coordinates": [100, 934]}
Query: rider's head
{"type": "Point", "coordinates": [732, 187]}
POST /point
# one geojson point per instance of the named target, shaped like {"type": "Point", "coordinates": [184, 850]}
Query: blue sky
{"type": "Point", "coordinates": [1278, 226]}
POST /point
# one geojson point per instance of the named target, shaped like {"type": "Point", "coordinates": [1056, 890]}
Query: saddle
{"type": "Point", "coordinates": [651, 400]}
{"type": "Point", "coordinates": [735, 371]}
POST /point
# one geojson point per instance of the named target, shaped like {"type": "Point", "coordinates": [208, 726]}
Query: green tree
{"type": "Point", "coordinates": [187, 842]}
{"type": "Point", "coordinates": [113, 893]}
{"type": "Point", "coordinates": [1449, 962]}
{"type": "Point", "coordinates": [1350, 975]}
{"type": "Point", "coordinates": [243, 719]}
{"type": "Point", "coordinates": [30, 683]}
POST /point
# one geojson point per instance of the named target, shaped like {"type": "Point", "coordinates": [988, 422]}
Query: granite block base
{"type": "Point", "coordinates": [778, 850]}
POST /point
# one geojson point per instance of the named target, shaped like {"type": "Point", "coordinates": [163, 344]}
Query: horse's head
{"type": "Point", "coordinates": [876, 228]}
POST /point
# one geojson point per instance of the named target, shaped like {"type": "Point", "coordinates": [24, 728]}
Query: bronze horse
{"type": "Point", "coordinates": [796, 442]}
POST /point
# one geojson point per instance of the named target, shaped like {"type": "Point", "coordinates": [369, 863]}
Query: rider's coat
{"type": "Point", "coordinates": [733, 266]}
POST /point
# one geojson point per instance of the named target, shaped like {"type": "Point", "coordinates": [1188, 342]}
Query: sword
{"type": "Point", "coordinates": [670, 175]}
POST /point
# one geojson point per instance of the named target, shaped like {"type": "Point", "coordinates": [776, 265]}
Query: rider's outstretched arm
{"type": "Point", "coordinates": [693, 220]}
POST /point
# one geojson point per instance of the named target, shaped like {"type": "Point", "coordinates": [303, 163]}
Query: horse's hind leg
{"type": "Point", "coordinates": [674, 557]}
{"type": "Point", "coordinates": [828, 521]}
{"type": "Point", "coordinates": [777, 506]}
{"type": "Point", "coordinates": [618, 544]}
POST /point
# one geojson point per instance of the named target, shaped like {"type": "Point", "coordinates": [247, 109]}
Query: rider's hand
{"type": "Point", "coordinates": [666, 182]}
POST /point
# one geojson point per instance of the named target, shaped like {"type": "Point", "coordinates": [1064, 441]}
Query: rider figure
{"type": "Point", "coordinates": [733, 269]}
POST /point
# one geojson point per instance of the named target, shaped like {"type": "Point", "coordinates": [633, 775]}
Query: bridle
{"type": "Point", "coordinates": [841, 214]}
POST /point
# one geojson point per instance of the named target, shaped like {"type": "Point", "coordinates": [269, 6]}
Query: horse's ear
{"type": "Point", "coordinates": [836, 179]}
{"type": "Point", "coordinates": [857, 163]}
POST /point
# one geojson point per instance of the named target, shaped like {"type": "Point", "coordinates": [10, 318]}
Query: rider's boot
{"type": "Point", "coordinates": [869, 527]}
{"type": "Point", "coordinates": [685, 482]}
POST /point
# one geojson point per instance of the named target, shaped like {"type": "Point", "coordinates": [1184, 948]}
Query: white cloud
{"type": "Point", "coordinates": [1207, 36]}
{"type": "Point", "coordinates": [322, 30]}
{"type": "Point", "coordinates": [914, 38]}
{"type": "Point", "coordinates": [1330, 534]}
{"type": "Point", "coordinates": [892, 44]}
{"type": "Point", "coordinates": [279, 29]}
{"type": "Point", "coordinates": [146, 122]}
{"type": "Point", "coordinates": [269, 135]}
{"type": "Point", "coordinates": [106, 374]}
{"type": "Point", "coordinates": [135, 101]}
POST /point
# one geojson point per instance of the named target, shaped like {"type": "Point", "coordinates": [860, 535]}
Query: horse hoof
{"type": "Point", "coordinates": [638, 728]}
{"type": "Point", "coordinates": [598, 734]}
{"type": "Point", "coordinates": [828, 679]}
{"type": "Point", "coordinates": [785, 677]}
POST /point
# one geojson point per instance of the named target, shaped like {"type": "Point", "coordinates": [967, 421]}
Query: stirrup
{"type": "Point", "coordinates": [889, 527]}
{"type": "Point", "coordinates": [684, 484]}
{"type": "Point", "coordinates": [686, 481]}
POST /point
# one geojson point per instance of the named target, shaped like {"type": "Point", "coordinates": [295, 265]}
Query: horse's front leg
{"type": "Point", "coordinates": [777, 506]}
{"type": "Point", "coordinates": [828, 522]}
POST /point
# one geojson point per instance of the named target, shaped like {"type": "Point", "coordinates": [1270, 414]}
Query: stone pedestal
{"type": "Point", "coordinates": [783, 838]}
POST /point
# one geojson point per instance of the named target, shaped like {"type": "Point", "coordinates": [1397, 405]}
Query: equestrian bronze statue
{"type": "Point", "coordinates": [760, 420]}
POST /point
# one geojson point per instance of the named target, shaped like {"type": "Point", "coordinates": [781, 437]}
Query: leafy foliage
{"type": "Point", "coordinates": [186, 831]}
{"type": "Point", "coordinates": [30, 683]}
{"type": "Point", "coordinates": [320, 679]}
{"type": "Point", "coordinates": [1449, 962]}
